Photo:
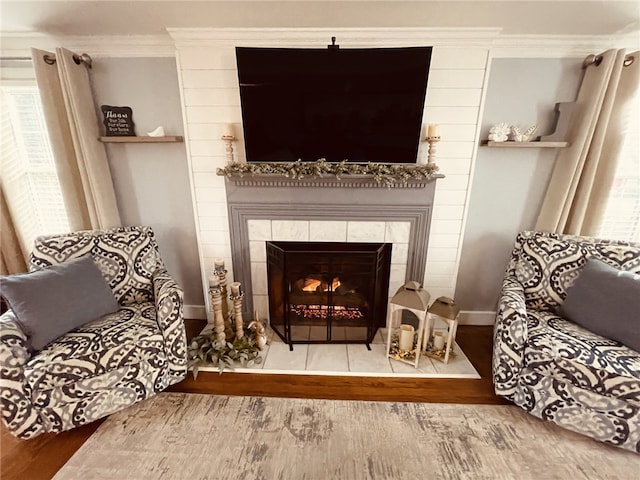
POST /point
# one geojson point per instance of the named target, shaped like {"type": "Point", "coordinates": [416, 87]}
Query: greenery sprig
{"type": "Point", "coordinates": [381, 173]}
{"type": "Point", "coordinates": [206, 350]}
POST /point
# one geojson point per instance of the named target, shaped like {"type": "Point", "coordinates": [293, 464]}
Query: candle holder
{"type": "Point", "coordinates": [220, 272]}
{"type": "Point", "coordinates": [237, 313]}
{"type": "Point", "coordinates": [228, 142]}
{"type": "Point", "coordinates": [431, 156]}
{"type": "Point", "coordinates": [215, 293]}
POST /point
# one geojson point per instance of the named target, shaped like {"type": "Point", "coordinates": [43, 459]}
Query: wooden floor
{"type": "Point", "coordinates": [43, 456]}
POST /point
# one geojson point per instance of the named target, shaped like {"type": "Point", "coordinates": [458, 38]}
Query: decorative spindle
{"type": "Point", "coordinates": [236, 297]}
{"type": "Point", "coordinates": [221, 273]}
{"type": "Point", "coordinates": [215, 293]}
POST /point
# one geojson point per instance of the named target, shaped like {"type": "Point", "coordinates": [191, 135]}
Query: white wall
{"type": "Point", "coordinates": [152, 180]}
{"type": "Point", "coordinates": [509, 184]}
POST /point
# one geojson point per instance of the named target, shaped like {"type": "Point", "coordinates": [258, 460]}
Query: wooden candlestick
{"type": "Point", "coordinates": [237, 310]}
{"type": "Point", "coordinates": [221, 273]}
{"type": "Point", "coordinates": [431, 156]}
{"type": "Point", "coordinates": [218, 320]}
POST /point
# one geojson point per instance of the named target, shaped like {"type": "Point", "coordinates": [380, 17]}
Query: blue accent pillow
{"type": "Point", "coordinates": [53, 301]}
{"type": "Point", "coordinates": [606, 301]}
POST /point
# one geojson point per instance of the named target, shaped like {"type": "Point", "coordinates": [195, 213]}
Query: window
{"type": "Point", "coordinates": [622, 213]}
{"type": "Point", "coordinates": [28, 170]}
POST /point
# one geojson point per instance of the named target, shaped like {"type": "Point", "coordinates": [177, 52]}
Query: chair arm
{"type": "Point", "coordinates": [169, 300]}
{"type": "Point", "coordinates": [509, 337]}
{"type": "Point", "coordinates": [18, 414]}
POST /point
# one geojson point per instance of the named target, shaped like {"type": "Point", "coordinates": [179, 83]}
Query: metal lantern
{"type": "Point", "coordinates": [446, 310]}
{"type": "Point", "coordinates": [412, 297]}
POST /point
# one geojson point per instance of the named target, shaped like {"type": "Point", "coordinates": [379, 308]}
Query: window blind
{"type": "Point", "coordinates": [28, 170]}
{"type": "Point", "coordinates": [622, 212]}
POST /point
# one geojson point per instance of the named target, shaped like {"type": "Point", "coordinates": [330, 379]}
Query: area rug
{"type": "Point", "coordinates": [193, 436]}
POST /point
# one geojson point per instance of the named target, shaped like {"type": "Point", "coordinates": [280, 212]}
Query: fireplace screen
{"type": "Point", "coordinates": [326, 292]}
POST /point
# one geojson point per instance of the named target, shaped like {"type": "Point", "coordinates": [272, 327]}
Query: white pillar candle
{"type": "Point", "coordinates": [213, 281]}
{"type": "Point", "coordinates": [433, 130]}
{"type": "Point", "coordinates": [235, 288]}
{"type": "Point", "coordinates": [228, 130]}
{"type": "Point", "coordinates": [406, 337]}
{"type": "Point", "coordinates": [438, 341]}
{"type": "Point", "coordinates": [218, 264]}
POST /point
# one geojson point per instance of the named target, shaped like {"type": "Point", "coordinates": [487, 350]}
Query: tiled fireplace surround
{"type": "Point", "coordinates": [211, 99]}
{"type": "Point", "coordinates": [355, 212]}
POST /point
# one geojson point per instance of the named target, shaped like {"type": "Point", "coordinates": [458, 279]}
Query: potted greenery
{"type": "Point", "coordinates": [205, 349]}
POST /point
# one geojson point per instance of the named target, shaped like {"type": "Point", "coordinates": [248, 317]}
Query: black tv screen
{"type": "Point", "coordinates": [359, 105]}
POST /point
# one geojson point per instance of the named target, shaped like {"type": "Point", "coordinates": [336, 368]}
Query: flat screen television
{"type": "Point", "coordinates": [359, 105]}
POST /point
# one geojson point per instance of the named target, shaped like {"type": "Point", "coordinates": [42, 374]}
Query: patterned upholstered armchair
{"type": "Point", "coordinates": [104, 365]}
{"type": "Point", "coordinates": [553, 367]}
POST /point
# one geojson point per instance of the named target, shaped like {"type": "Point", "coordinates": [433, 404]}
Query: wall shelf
{"type": "Point", "coordinates": [127, 139]}
{"type": "Point", "coordinates": [489, 143]}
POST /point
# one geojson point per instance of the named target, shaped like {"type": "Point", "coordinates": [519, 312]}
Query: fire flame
{"type": "Point", "coordinates": [312, 285]}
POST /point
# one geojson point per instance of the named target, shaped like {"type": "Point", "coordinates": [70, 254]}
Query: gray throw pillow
{"type": "Point", "coordinates": [606, 301]}
{"type": "Point", "coordinates": [53, 301]}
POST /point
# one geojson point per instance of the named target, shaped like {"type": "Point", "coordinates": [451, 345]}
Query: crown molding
{"type": "Point", "coordinates": [320, 37]}
{"type": "Point", "coordinates": [19, 44]}
{"type": "Point", "coordinates": [559, 46]}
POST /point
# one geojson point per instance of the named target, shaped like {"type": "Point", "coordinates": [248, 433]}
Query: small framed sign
{"type": "Point", "coordinates": [118, 121]}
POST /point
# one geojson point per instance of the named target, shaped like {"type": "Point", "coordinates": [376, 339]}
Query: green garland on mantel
{"type": "Point", "coordinates": [381, 173]}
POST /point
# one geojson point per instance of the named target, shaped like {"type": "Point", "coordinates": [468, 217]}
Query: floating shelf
{"type": "Point", "coordinates": [127, 139]}
{"type": "Point", "coordinates": [489, 143]}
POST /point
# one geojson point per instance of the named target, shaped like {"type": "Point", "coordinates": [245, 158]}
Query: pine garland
{"type": "Point", "coordinates": [381, 173]}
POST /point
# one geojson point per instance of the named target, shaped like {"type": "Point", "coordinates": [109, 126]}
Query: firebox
{"type": "Point", "coordinates": [337, 290]}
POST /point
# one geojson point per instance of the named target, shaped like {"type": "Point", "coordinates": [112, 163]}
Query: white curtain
{"type": "Point", "coordinates": [72, 123]}
{"type": "Point", "coordinates": [584, 171]}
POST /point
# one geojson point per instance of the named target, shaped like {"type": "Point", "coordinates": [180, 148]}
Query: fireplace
{"type": "Point", "coordinates": [340, 289]}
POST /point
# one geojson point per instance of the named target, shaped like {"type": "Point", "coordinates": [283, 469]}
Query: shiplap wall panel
{"type": "Point", "coordinates": [211, 96]}
{"type": "Point", "coordinates": [471, 78]}
{"type": "Point", "coordinates": [203, 164]}
{"type": "Point", "coordinates": [209, 78]}
{"type": "Point", "coordinates": [453, 99]}
{"type": "Point", "coordinates": [218, 113]}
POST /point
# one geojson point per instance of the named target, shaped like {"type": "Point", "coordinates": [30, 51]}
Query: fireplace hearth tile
{"type": "Point", "coordinates": [457, 364]}
{"type": "Point", "coordinates": [425, 366]}
{"type": "Point", "coordinates": [369, 361]}
{"type": "Point", "coordinates": [327, 358]}
{"type": "Point", "coordinates": [279, 357]}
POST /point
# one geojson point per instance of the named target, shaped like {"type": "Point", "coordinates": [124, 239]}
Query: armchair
{"type": "Point", "coordinates": [109, 363]}
{"type": "Point", "coordinates": [555, 368]}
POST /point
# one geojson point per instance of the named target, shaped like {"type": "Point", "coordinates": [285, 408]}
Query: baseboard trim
{"type": "Point", "coordinates": [196, 312]}
{"type": "Point", "coordinates": [476, 318]}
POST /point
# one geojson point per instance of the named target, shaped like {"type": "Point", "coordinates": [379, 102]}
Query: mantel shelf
{"type": "Point", "coordinates": [127, 139]}
{"type": "Point", "coordinates": [330, 181]}
{"type": "Point", "coordinates": [489, 143]}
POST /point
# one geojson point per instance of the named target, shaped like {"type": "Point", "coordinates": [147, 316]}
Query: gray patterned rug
{"type": "Point", "coordinates": [189, 436]}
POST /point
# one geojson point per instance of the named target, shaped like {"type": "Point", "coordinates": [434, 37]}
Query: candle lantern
{"type": "Point", "coordinates": [443, 309]}
{"type": "Point", "coordinates": [402, 342]}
